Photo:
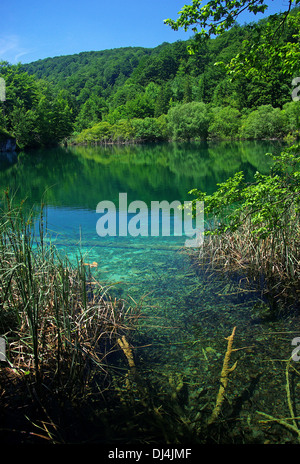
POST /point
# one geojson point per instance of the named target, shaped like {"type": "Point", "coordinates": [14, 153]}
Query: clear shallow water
{"type": "Point", "coordinates": [185, 316]}
{"type": "Point", "coordinates": [71, 182]}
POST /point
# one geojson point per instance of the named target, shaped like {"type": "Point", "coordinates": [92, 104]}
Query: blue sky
{"type": "Point", "coordinates": [36, 29]}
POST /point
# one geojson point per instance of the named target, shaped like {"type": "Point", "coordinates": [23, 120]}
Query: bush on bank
{"type": "Point", "coordinates": [199, 121]}
{"type": "Point", "coordinates": [258, 231]}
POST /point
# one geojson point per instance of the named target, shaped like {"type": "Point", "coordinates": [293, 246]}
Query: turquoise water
{"type": "Point", "coordinates": [71, 182]}
{"type": "Point", "coordinates": [186, 316]}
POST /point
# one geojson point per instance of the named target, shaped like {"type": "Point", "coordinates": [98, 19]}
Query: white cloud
{"type": "Point", "coordinates": [8, 43]}
{"type": "Point", "coordinates": [11, 50]}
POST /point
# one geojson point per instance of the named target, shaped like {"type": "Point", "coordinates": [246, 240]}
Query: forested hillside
{"type": "Point", "coordinates": [144, 94]}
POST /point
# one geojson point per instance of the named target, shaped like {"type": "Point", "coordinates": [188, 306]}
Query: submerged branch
{"type": "Point", "coordinates": [226, 370]}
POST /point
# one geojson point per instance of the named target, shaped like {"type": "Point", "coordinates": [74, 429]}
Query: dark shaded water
{"type": "Point", "coordinates": [186, 316]}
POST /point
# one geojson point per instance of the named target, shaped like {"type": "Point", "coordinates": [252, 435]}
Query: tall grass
{"type": "Point", "coordinates": [256, 229]}
{"type": "Point", "coordinates": [59, 323]}
{"type": "Point", "coordinates": [269, 263]}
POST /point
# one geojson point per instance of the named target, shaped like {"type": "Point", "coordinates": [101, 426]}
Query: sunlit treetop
{"type": "Point", "coordinates": [217, 16]}
{"type": "Point", "coordinates": [268, 46]}
{"type": "Point", "coordinates": [272, 47]}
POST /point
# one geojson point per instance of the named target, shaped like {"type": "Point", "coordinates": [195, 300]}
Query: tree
{"type": "Point", "coordinates": [162, 103]}
{"type": "Point", "coordinates": [187, 91]}
{"type": "Point", "coordinates": [140, 107]}
{"type": "Point", "coordinates": [19, 87]}
{"type": "Point", "coordinates": [152, 92]}
{"type": "Point", "coordinates": [257, 235]}
{"type": "Point", "coordinates": [264, 123]}
{"type": "Point", "coordinates": [53, 119]}
{"type": "Point", "coordinates": [23, 125]}
{"type": "Point", "coordinates": [263, 51]}
{"type": "Point", "coordinates": [257, 223]}
{"type": "Point", "coordinates": [150, 129]}
{"type": "Point", "coordinates": [217, 16]}
{"type": "Point", "coordinates": [91, 112]}
{"type": "Point", "coordinates": [225, 123]}
{"type": "Point", "coordinates": [292, 113]}
{"type": "Point", "coordinates": [189, 121]}
{"type": "Point", "coordinates": [271, 50]}
{"type": "Point", "coordinates": [35, 114]}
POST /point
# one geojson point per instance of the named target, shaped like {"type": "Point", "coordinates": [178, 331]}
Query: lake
{"type": "Point", "coordinates": [71, 182]}
{"type": "Point", "coordinates": [185, 315]}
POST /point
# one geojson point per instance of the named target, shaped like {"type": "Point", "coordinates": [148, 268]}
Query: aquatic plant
{"type": "Point", "coordinates": [290, 423]}
{"type": "Point", "coordinates": [256, 231]}
{"type": "Point", "coordinates": [59, 323]}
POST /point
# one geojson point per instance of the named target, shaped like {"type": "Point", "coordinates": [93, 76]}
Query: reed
{"type": "Point", "coordinates": [271, 263]}
{"type": "Point", "coordinates": [255, 230]}
{"type": "Point", "coordinates": [59, 323]}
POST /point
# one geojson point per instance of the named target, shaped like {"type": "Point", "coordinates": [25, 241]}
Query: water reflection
{"type": "Point", "coordinates": [186, 317]}
{"type": "Point", "coordinates": [72, 181]}
{"type": "Point", "coordinates": [80, 177]}
{"type": "Point", "coordinates": [7, 159]}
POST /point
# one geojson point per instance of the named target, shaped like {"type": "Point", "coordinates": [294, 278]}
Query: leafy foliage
{"type": "Point", "coordinates": [217, 16]}
{"type": "Point", "coordinates": [53, 99]}
{"type": "Point", "coordinates": [225, 123]}
{"type": "Point", "coordinates": [264, 122]}
{"type": "Point", "coordinates": [269, 50]}
{"type": "Point", "coordinates": [268, 47]}
{"type": "Point", "coordinates": [33, 112]}
{"type": "Point", "coordinates": [256, 230]}
{"type": "Point", "coordinates": [188, 121]}
{"type": "Point", "coordinates": [266, 199]}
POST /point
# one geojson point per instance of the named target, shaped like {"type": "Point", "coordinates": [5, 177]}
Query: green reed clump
{"type": "Point", "coordinates": [59, 323]}
{"type": "Point", "coordinates": [257, 235]}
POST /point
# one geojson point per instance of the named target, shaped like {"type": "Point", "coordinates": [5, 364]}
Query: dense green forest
{"type": "Point", "coordinates": [64, 380]}
{"type": "Point", "coordinates": [141, 94]}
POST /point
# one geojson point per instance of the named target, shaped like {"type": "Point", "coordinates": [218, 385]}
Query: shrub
{"type": "Point", "coordinates": [292, 114]}
{"type": "Point", "coordinates": [188, 121]}
{"type": "Point", "coordinates": [258, 232]}
{"type": "Point", "coordinates": [101, 132]}
{"type": "Point", "coordinates": [122, 131]}
{"type": "Point", "coordinates": [225, 123]}
{"type": "Point", "coordinates": [264, 123]}
{"type": "Point", "coordinates": [150, 129]}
